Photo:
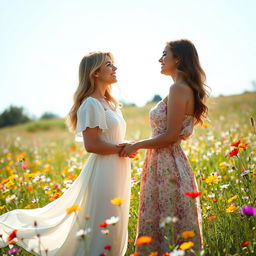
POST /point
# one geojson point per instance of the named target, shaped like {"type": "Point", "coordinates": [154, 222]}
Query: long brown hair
{"type": "Point", "coordinates": [189, 65]}
{"type": "Point", "coordinates": [86, 86]}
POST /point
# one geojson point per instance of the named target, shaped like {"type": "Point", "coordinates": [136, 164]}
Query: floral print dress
{"type": "Point", "coordinates": [166, 177]}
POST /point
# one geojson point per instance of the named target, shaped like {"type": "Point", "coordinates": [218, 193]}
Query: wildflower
{"type": "Point", "coordinates": [167, 220]}
{"type": "Point", "coordinates": [188, 234]}
{"type": "Point", "coordinates": [103, 224]}
{"type": "Point", "coordinates": [136, 158]}
{"type": "Point", "coordinates": [12, 235]}
{"type": "Point", "coordinates": [108, 247]}
{"type": "Point", "coordinates": [73, 208]}
{"type": "Point", "coordinates": [232, 198]}
{"type": "Point", "coordinates": [14, 251]}
{"type": "Point", "coordinates": [212, 218]}
{"type": "Point", "coordinates": [83, 232]}
{"type": "Point", "coordinates": [105, 231]}
{"type": "Point", "coordinates": [234, 152]}
{"type": "Point", "coordinates": [193, 194]}
{"type": "Point", "coordinates": [153, 254]}
{"type": "Point", "coordinates": [235, 144]}
{"type": "Point", "coordinates": [245, 243]}
{"type": "Point", "coordinates": [243, 146]}
{"type": "Point", "coordinates": [144, 240]}
{"type": "Point", "coordinates": [112, 221]}
{"type": "Point", "coordinates": [249, 210]}
{"type": "Point", "coordinates": [231, 208]}
{"type": "Point", "coordinates": [212, 179]}
{"type": "Point", "coordinates": [117, 201]}
{"type": "Point", "coordinates": [186, 245]}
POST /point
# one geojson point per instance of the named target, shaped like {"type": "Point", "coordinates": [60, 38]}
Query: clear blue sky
{"type": "Point", "coordinates": [42, 43]}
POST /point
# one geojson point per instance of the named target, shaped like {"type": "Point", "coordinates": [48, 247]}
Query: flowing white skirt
{"type": "Point", "coordinates": [102, 179]}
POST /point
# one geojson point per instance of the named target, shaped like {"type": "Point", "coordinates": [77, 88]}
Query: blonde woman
{"type": "Point", "coordinates": [94, 225]}
{"type": "Point", "coordinates": [167, 174]}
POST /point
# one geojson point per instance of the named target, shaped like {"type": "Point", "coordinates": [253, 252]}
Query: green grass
{"type": "Point", "coordinates": [49, 149]}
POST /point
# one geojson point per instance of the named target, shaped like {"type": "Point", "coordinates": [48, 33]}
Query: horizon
{"type": "Point", "coordinates": [43, 42]}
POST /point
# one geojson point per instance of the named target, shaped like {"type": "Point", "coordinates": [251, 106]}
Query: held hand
{"type": "Point", "coordinates": [128, 150]}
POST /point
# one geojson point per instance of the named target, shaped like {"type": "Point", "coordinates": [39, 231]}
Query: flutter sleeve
{"type": "Point", "coordinates": [90, 114]}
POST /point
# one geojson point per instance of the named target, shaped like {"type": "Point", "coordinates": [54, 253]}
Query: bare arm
{"type": "Point", "coordinates": [94, 144]}
{"type": "Point", "coordinates": [177, 101]}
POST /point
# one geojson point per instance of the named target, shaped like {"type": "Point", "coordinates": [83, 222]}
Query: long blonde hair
{"type": "Point", "coordinates": [86, 86]}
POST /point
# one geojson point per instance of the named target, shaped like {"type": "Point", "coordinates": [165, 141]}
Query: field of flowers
{"type": "Point", "coordinates": [39, 160]}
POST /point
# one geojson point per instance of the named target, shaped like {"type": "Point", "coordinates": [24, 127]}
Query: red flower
{"type": "Point", "coordinates": [193, 194]}
{"type": "Point", "coordinates": [215, 200]}
{"type": "Point", "coordinates": [234, 152]}
{"type": "Point", "coordinates": [103, 224]}
{"type": "Point", "coordinates": [235, 144]}
{"type": "Point", "coordinates": [12, 235]}
{"type": "Point", "coordinates": [245, 243]}
{"type": "Point", "coordinates": [107, 247]}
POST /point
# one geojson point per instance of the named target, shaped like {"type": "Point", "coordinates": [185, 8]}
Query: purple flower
{"type": "Point", "coordinates": [14, 251]}
{"type": "Point", "coordinates": [249, 210]}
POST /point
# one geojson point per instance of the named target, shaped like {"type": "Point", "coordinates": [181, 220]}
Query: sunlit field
{"type": "Point", "coordinates": [39, 160]}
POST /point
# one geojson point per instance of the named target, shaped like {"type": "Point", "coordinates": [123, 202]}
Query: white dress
{"type": "Point", "coordinates": [103, 178]}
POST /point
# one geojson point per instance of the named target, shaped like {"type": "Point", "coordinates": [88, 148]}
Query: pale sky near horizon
{"type": "Point", "coordinates": [42, 43]}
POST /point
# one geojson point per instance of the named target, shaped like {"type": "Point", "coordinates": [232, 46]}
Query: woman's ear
{"type": "Point", "coordinates": [96, 74]}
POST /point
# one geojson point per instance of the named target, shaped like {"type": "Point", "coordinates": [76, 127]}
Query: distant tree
{"type": "Point", "coordinates": [127, 104]}
{"type": "Point", "coordinates": [12, 116]}
{"type": "Point", "coordinates": [254, 85]}
{"type": "Point", "coordinates": [48, 115]}
{"type": "Point", "coordinates": [155, 98]}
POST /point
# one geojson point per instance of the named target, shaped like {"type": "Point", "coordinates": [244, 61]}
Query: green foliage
{"type": "Point", "coordinates": [12, 116]}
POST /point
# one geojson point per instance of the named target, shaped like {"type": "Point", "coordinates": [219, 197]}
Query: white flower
{"type": "Point", "coordinates": [10, 198]}
{"type": "Point", "coordinates": [224, 186]}
{"type": "Point", "coordinates": [83, 232]}
{"type": "Point", "coordinates": [112, 221]}
{"type": "Point", "coordinates": [177, 253]}
{"type": "Point", "coordinates": [105, 231]}
{"type": "Point", "coordinates": [167, 220]}
{"type": "Point", "coordinates": [36, 200]}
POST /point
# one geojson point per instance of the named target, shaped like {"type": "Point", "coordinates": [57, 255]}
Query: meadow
{"type": "Point", "coordinates": [40, 159]}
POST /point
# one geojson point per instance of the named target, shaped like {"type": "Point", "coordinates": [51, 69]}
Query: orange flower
{"type": "Point", "coordinates": [243, 146]}
{"type": "Point", "coordinates": [188, 234]}
{"type": "Point", "coordinates": [12, 235]}
{"type": "Point", "coordinates": [73, 208]}
{"type": "Point", "coordinates": [212, 218]}
{"type": "Point", "coordinates": [144, 240]}
{"type": "Point", "coordinates": [186, 245]}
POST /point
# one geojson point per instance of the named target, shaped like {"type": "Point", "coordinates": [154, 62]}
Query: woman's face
{"type": "Point", "coordinates": [168, 62]}
{"type": "Point", "coordinates": [107, 72]}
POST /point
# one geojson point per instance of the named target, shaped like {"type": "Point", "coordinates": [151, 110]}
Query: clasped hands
{"type": "Point", "coordinates": [129, 149]}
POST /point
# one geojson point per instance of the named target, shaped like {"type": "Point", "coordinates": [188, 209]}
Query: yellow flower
{"type": "Point", "coordinates": [188, 234]}
{"type": "Point", "coordinates": [231, 208]}
{"type": "Point", "coordinates": [232, 198]}
{"type": "Point", "coordinates": [2, 207]}
{"type": "Point", "coordinates": [136, 158]}
{"type": "Point", "coordinates": [212, 179]}
{"type": "Point", "coordinates": [117, 201]}
{"type": "Point", "coordinates": [205, 125]}
{"type": "Point", "coordinates": [186, 245]}
{"type": "Point", "coordinates": [73, 208]}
